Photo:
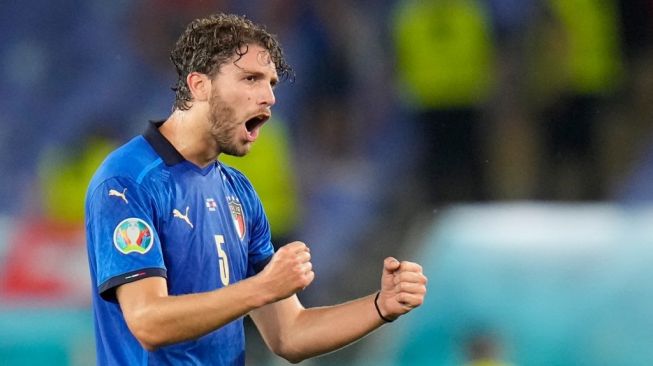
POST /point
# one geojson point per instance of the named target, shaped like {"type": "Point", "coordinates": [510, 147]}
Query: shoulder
{"type": "Point", "coordinates": [133, 160]}
{"type": "Point", "coordinates": [131, 181]}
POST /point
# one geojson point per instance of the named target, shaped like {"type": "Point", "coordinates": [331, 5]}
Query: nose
{"type": "Point", "coordinates": [267, 96]}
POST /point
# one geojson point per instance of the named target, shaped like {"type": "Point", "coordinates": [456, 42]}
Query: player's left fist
{"type": "Point", "coordinates": [403, 287]}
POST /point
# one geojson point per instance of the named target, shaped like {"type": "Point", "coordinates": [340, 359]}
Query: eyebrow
{"type": "Point", "coordinates": [274, 80]}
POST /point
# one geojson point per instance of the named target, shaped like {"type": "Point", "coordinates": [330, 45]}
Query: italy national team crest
{"type": "Point", "coordinates": [133, 235]}
{"type": "Point", "coordinates": [237, 215]}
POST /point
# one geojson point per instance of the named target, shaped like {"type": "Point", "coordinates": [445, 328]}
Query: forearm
{"type": "Point", "coordinates": [165, 320]}
{"type": "Point", "coordinates": [324, 329]}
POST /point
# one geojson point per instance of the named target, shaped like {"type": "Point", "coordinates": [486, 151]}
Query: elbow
{"type": "Point", "coordinates": [145, 333]}
{"type": "Point", "coordinates": [292, 357]}
{"type": "Point", "coordinates": [150, 339]}
{"type": "Point", "coordinates": [148, 345]}
{"type": "Point", "coordinates": [147, 339]}
{"type": "Point", "coordinates": [285, 350]}
{"type": "Point", "coordinates": [295, 360]}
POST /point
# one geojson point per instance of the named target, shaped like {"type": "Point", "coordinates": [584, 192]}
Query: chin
{"type": "Point", "coordinates": [235, 149]}
{"type": "Point", "coordinates": [237, 152]}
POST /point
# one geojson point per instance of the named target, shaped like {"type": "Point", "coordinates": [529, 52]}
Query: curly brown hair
{"type": "Point", "coordinates": [208, 43]}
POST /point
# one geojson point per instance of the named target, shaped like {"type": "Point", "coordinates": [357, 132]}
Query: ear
{"type": "Point", "coordinates": [199, 85]}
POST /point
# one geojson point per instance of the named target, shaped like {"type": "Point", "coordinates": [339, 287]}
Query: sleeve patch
{"type": "Point", "coordinates": [133, 235]}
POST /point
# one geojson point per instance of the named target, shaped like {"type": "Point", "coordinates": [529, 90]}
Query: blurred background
{"type": "Point", "coordinates": [506, 145]}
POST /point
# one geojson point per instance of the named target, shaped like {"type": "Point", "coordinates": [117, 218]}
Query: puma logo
{"type": "Point", "coordinates": [113, 192]}
{"type": "Point", "coordinates": [178, 214]}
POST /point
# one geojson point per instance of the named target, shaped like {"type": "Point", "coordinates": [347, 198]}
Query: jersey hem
{"type": "Point", "coordinates": [107, 289]}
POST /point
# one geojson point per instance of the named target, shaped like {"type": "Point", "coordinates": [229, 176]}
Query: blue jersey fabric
{"type": "Point", "coordinates": [149, 212]}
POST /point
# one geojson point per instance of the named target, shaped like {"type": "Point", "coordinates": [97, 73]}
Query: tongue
{"type": "Point", "coordinates": [253, 134]}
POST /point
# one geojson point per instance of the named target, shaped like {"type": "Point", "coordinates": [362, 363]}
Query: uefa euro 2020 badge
{"type": "Point", "coordinates": [133, 235]}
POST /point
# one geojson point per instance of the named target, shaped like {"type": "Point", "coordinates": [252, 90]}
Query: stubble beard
{"type": "Point", "coordinates": [224, 128]}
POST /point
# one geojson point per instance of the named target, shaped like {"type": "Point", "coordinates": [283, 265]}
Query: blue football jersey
{"type": "Point", "coordinates": [149, 212]}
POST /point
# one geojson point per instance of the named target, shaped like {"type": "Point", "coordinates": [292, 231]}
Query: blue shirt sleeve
{"type": "Point", "coordinates": [122, 236]}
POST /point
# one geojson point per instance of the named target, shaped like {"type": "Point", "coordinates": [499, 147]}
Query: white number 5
{"type": "Point", "coordinates": [223, 261]}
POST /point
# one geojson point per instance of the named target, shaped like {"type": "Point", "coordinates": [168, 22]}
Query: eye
{"type": "Point", "coordinates": [250, 78]}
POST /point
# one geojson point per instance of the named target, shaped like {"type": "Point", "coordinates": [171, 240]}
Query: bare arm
{"type": "Point", "coordinates": [296, 333]}
{"type": "Point", "coordinates": [157, 319]}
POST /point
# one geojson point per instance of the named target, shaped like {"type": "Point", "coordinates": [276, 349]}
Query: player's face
{"type": "Point", "coordinates": [242, 95]}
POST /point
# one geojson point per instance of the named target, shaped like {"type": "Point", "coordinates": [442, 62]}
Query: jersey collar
{"type": "Point", "coordinates": [161, 145]}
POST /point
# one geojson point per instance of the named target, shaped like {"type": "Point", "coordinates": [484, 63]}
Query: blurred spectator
{"type": "Point", "coordinates": [578, 69]}
{"type": "Point", "coordinates": [445, 58]}
{"type": "Point", "coordinates": [64, 173]}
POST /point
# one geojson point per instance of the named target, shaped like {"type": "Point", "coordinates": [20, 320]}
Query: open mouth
{"type": "Point", "coordinates": [256, 121]}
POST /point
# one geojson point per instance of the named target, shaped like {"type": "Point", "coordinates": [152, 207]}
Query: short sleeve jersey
{"type": "Point", "coordinates": [149, 212]}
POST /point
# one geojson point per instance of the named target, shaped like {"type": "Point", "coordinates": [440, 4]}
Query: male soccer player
{"type": "Point", "coordinates": [178, 243]}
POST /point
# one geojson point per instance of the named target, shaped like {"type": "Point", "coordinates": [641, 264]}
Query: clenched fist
{"type": "Point", "coordinates": [289, 271]}
{"type": "Point", "coordinates": [403, 287]}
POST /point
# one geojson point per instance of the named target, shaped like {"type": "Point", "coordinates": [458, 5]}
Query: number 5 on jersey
{"type": "Point", "coordinates": [223, 261]}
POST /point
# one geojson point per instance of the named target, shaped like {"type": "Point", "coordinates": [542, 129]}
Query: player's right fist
{"type": "Point", "coordinates": [289, 271]}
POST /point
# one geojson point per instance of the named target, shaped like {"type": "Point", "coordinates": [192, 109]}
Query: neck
{"type": "Point", "coordinates": [185, 131]}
